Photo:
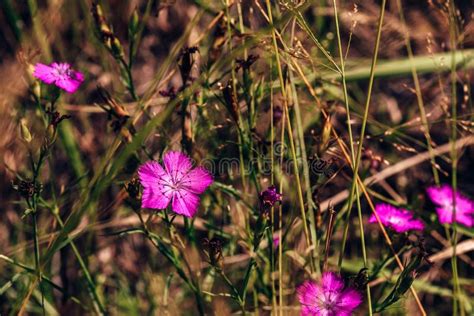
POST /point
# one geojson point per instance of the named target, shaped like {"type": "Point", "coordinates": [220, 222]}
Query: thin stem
{"type": "Point", "coordinates": [454, 160]}
{"type": "Point", "coordinates": [362, 132]}
{"type": "Point", "coordinates": [304, 158]}
{"type": "Point", "coordinates": [232, 287]}
{"type": "Point", "coordinates": [351, 140]}
{"type": "Point", "coordinates": [290, 134]}
{"type": "Point", "coordinates": [128, 71]}
{"type": "Point", "coordinates": [170, 255]}
{"type": "Point", "coordinates": [241, 138]}
{"type": "Point", "coordinates": [37, 256]}
{"type": "Point", "coordinates": [280, 226]}
{"type": "Point", "coordinates": [419, 97]}
{"type": "Point", "coordinates": [90, 282]}
{"type": "Point", "coordinates": [272, 182]}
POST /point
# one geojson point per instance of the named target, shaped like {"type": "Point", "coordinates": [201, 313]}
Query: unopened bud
{"type": "Point", "coordinates": [133, 24]}
{"type": "Point", "coordinates": [24, 131]}
{"type": "Point", "coordinates": [117, 48]}
{"type": "Point", "coordinates": [326, 134]}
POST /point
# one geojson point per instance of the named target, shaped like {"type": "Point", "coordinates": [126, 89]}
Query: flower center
{"type": "Point", "coordinates": [394, 219]}
{"type": "Point", "coordinates": [63, 71]}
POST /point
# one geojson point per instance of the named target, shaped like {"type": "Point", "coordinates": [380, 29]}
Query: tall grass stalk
{"type": "Point", "coordinates": [272, 182]}
{"type": "Point", "coordinates": [419, 96]}
{"type": "Point", "coordinates": [351, 146]}
{"type": "Point", "coordinates": [280, 225]}
{"type": "Point", "coordinates": [304, 158]}
{"type": "Point", "coordinates": [98, 305]}
{"type": "Point", "coordinates": [241, 138]}
{"type": "Point", "coordinates": [453, 35]}
{"type": "Point", "coordinates": [362, 131]}
{"type": "Point", "coordinates": [290, 133]}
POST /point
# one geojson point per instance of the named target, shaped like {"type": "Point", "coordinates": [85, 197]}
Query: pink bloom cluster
{"type": "Point", "coordinates": [59, 74]}
{"type": "Point", "coordinates": [443, 198]}
{"type": "Point", "coordinates": [328, 298]}
{"type": "Point", "coordinates": [177, 182]}
{"type": "Point", "coordinates": [400, 220]}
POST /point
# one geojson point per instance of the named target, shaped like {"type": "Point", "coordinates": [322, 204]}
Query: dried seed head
{"type": "Point", "coordinates": [213, 249]}
{"type": "Point", "coordinates": [28, 188]}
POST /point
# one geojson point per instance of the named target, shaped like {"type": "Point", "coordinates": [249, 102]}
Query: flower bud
{"type": "Point", "coordinates": [133, 24]}
{"type": "Point", "coordinates": [117, 49]}
{"type": "Point", "coordinates": [24, 131]}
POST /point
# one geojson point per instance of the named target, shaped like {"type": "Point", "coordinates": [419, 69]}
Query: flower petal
{"type": "Point", "coordinates": [154, 198]}
{"type": "Point", "coordinates": [349, 300]}
{"type": "Point", "coordinates": [185, 203]}
{"type": "Point", "coordinates": [308, 294]}
{"type": "Point", "coordinates": [197, 180]}
{"type": "Point", "coordinates": [467, 219]}
{"type": "Point", "coordinates": [71, 83]}
{"type": "Point", "coordinates": [443, 197]}
{"type": "Point", "coordinates": [150, 172]}
{"type": "Point", "coordinates": [44, 73]}
{"type": "Point", "coordinates": [155, 194]}
{"type": "Point", "coordinates": [400, 220]}
{"type": "Point", "coordinates": [331, 282]}
{"type": "Point", "coordinates": [177, 164]}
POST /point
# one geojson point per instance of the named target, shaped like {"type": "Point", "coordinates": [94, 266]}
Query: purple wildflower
{"type": "Point", "coordinates": [59, 74]}
{"type": "Point", "coordinates": [443, 198]}
{"type": "Point", "coordinates": [328, 298]}
{"type": "Point", "coordinates": [400, 220]}
{"type": "Point", "coordinates": [270, 196]}
{"type": "Point", "coordinates": [177, 182]}
{"type": "Point", "coordinates": [276, 241]}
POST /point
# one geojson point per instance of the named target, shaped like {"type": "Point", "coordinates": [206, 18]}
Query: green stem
{"type": "Point", "coordinates": [419, 97]}
{"type": "Point", "coordinates": [171, 256]}
{"type": "Point", "coordinates": [241, 138]}
{"type": "Point", "coordinates": [99, 306]}
{"type": "Point", "coordinates": [290, 134]}
{"type": "Point", "coordinates": [362, 132]}
{"type": "Point", "coordinates": [128, 71]}
{"type": "Point", "coordinates": [37, 255]}
{"type": "Point", "coordinates": [351, 140]}
{"type": "Point", "coordinates": [306, 176]}
{"type": "Point", "coordinates": [232, 287]}
{"type": "Point", "coordinates": [454, 160]}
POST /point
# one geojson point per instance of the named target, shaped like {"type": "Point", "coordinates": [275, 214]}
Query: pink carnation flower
{"type": "Point", "coordinates": [59, 74]}
{"type": "Point", "coordinates": [328, 298]}
{"type": "Point", "coordinates": [400, 220]}
{"type": "Point", "coordinates": [177, 182]}
{"type": "Point", "coordinates": [443, 198]}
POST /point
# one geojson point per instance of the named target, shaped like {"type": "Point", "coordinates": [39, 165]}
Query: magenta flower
{"type": "Point", "coordinates": [276, 241]}
{"type": "Point", "coordinates": [59, 74]}
{"type": "Point", "coordinates": [270, 196]}
{"type": "Point", "coordinates": [178, 182]}
{"type": "Point", "coordinates": [443, 198]}
{"type": "Point", "coordinates": [400, 220]}
{"type": "Point", "coordinates": [328, 298]}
